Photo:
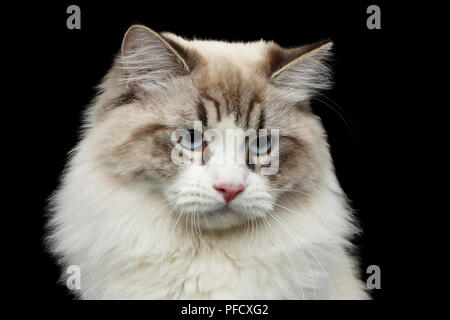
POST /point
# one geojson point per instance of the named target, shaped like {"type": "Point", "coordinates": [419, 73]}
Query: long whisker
{"type": "Point", "coordinates": [288, 257]}
{"type": "Point", "coordinates": [310, 250]}
{"type": "Point", "coordinates": [341, 114]}
{"type": "Point", "coordinates": [301, 250]}
{"type": "Point", "coordinates": [198, 230]}
{"type": "Point", "coordinates": [334, 242]}
{"type": "Point", "coordinates": [168, 243]}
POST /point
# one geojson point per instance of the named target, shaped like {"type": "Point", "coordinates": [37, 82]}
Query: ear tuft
{"type": "Point", "coordinates": [303, 71]}
{"type": "Point", "coordinates": [147, 59]}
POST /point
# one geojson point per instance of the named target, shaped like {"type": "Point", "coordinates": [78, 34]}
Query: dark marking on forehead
{"type": "Point", "coordinates": [231, 89]}
{"type": "Point", "coordinates": [262, 120]}
{"type": "Point", "coordinates": [201, 113]}
{"type": "Point", "coordinates": [124, 99]}
{"type": "Point", "coordinates": [251, 107]}
{"type": "Point", "coordinates": [237, 110]}
{"type": "Point", "coordinates": [216, 105]}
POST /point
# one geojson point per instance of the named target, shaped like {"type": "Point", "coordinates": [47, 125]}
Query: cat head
{"type": "Point", "coordinates": [223, 131]}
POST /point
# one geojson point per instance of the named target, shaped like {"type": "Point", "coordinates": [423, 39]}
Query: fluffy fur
{"type": "Point", "coordinates": [141, 227]}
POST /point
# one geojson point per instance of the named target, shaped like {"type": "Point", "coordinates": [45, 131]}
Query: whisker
{"type": "Point", "coordinates": [311, 251]}
{"type": "Point", "coordinates": [340, 112]}
{"type": "Point", "coordinates": [288, 257]}
{"type": "Point", "coordinates": [301, 250]}
{"type": "Point", "coordinates": [168, 243]}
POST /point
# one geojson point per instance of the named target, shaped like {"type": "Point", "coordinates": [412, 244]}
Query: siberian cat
{"type": "Point", "coordinates": [142, 225]}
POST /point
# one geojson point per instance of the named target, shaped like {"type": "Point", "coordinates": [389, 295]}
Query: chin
{"type": "Point", "coordinates": [220, 218]}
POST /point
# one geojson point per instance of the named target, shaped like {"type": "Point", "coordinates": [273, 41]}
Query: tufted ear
{"type": "Point", "coordinates": [147, 59]}
{"type": "Point", "coordinates": [301, 70]}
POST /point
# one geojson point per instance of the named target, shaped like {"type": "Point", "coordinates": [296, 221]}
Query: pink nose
{"type": "Point", "coordinates": [229, 191]}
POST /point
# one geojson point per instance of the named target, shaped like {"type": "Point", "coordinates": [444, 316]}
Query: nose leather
{"type": "Point", "coordinates": [229, 191]}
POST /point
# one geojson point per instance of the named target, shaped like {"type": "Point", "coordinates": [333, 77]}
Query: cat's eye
{"type": "Point", "coordinates": [261, 145]}
{"type": "Point", "coordinates": [192, 140]}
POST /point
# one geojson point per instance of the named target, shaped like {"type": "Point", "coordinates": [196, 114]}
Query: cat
{"type": "Point", "coordinates": [142, 225]}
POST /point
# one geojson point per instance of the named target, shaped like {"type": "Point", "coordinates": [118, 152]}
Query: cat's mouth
{"type": "Point", "coordinates": [224, 211]}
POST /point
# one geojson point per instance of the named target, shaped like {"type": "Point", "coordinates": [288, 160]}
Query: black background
{"type": "Point", "coordinates": [64, 66]}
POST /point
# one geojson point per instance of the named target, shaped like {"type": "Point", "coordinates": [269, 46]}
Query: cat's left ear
{"type": "Point", "coordinates": [302, 70]}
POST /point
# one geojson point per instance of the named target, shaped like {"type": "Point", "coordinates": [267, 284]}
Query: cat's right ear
{"type": "Point", "coordinates": [147, 59]}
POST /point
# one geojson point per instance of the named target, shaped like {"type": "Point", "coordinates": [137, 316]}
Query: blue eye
{"type": "Point", "coordinates": [261, 145]}
{"type": "Point", "coordinates": [191, 140]}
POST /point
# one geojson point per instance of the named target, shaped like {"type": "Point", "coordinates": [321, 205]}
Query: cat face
{"type": "Point", "coordinates": [221, 130]}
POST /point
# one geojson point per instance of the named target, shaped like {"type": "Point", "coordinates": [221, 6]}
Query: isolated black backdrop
{"type": "Point", "coordinates": [68, 64]}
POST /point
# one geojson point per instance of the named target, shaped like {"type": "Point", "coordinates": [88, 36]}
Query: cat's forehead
{"type": "Point", "coordinates": [228, 70]}
{"type": "Point", "coordinates": [230, 79]}
{"type": "Point", "coordinates": [227, 92]}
